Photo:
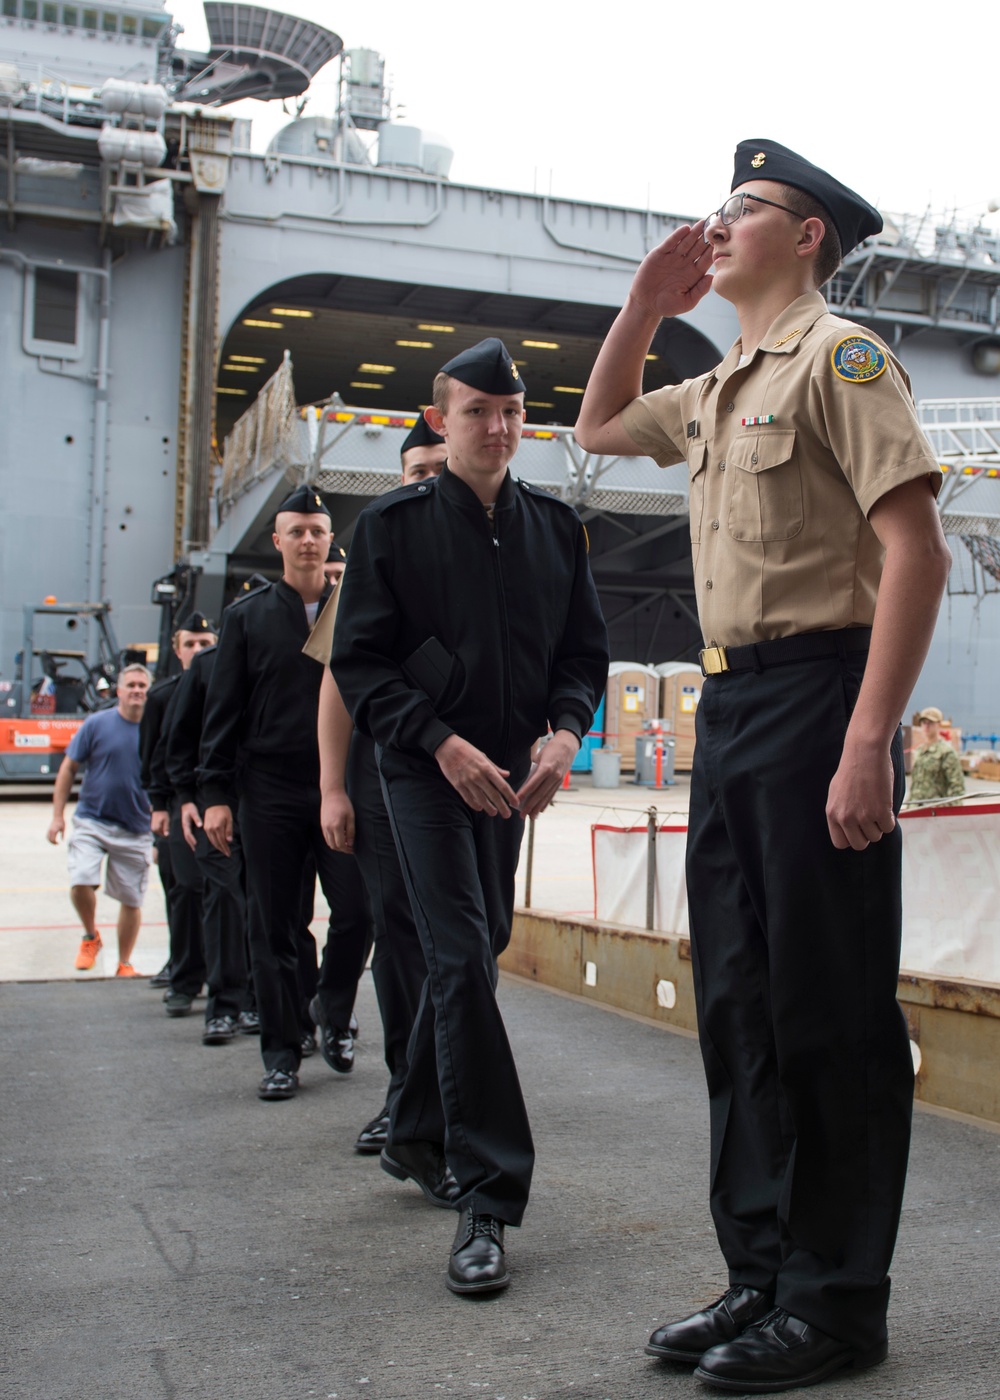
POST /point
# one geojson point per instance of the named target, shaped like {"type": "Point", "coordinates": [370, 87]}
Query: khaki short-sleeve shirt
{"type": "Point", "coordinates": [786, 456]}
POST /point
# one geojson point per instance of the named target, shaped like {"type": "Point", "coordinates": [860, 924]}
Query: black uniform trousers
{"type": "Point", "coordinates": [168, 884]}
{"type": "Point", "coordinates": [187, 948]}
{"type": "Point", "coordinates": [461, 1085]}
{"type": "Point", "coordinates": [280, 830]}
{"type": "Point", "coordinates": [795, 950]}
{"type": "Point", "coordinates": [398, 967]}
{"type": "Point", "coordinates": [224, 927]}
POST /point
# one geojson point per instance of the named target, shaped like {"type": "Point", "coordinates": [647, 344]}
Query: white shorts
{"type": "Point", "coordinates": [128, 853]}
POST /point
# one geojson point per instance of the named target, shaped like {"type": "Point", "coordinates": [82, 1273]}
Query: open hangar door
{"type": "Point", "coordinates": [378, 345]}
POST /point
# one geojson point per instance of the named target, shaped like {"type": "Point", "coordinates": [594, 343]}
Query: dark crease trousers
{"type": "Point", "coordinates": [280, 830]}
{"type": "Point", "coordinates": [796, 952]}
{"type": "Point", "coordinates": [398, 967]}
{"type": "Point", "coordinates": [187, 948]}
{"type": "Point", "coordinates": [167, 882]}
{"type": "Point", "coordinates": [223, 922]}
{"type": "Point", "coordinates": [459, 870]}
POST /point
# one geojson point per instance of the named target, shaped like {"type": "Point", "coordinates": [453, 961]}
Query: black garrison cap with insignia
{"type": "Point", "coordinates": [254, 581]}
{"type": "Point", "coordinates": [306, 500]}
{"type": "Point", "coordinates": [420, 435]}
{"type": "Point", "coordinates": [196, 622]}
{"type": "Point", "coordinates": [337, 555]}
{"type": "Point", "coordinates": [487, 367]}
{"type": "Point", "coordinates": [853, 217]}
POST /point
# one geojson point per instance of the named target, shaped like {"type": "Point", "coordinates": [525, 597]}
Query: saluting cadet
{"type": "Point", "coordinates": [819, 565]}
{"type": "Point", "coordinates": [229, 1007]}
{"type": "Point", "coordinates": [187, 954]}
{"type": "Point", "coordinates": [355, 821]}
{"type": "Point", "coordinates": [468, 624]}
{"type": "Point", "coordinates": [259, 747]}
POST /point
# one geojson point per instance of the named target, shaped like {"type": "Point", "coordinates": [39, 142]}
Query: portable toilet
{"type": "Point", "coordinates": [633, 696]}
{"type": "Point", "coordinates": [680, 695]}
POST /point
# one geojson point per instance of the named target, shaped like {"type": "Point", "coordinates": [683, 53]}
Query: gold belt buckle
{"type": "Point", "coordinates": [713, 660]}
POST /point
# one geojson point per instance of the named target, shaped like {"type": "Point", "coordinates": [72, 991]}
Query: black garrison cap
{"type": "Point", "coordinates": [487, 367]}
{"type": "Point", "coordinates": [196, 622]}
{"type": "Point", "coordinates": [420, 435]}
{"type": "Point", "coordinates": [337, 555]}
{"type": "Point", "coordinates": [254, 581]}
{"type": "Point", "coordinates": [306, 500]}
{"type": "Point", "coordinates": [853, 217]}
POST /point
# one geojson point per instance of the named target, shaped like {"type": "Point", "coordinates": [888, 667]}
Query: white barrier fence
{"type": "Point", "coordinates": [951, 886]}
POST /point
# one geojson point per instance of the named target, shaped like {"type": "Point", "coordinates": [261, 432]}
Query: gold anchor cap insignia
{"type": "Point", "coordinates": [513, 370]}
{"type": "Point", "coordinates": [317, 500]}
{"type": "Point", "coordinates": [758, 160]}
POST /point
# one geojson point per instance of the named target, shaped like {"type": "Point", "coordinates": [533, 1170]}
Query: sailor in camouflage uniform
{"type": "Point", "coordinates": [937, 771]}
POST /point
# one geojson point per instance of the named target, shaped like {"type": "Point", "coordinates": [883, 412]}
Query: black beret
{"type": "Point", "coordinates": [420, 435]}
{"type": "Point", "coordinates": [306, 500]}
{"type": "Point", "coordinates": [487, 367]}
{"type": "Point", "coordinates": [853, 217]}
{"type": "Point", "coordinates": [196, 622]}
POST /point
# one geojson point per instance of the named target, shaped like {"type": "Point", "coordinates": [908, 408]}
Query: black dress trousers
{"type": "Point", "coordinates": [280, 831]}
{"type": "Point", "coordinates": [167, 882]}
{"type": "Point", "coordinates": [795, 950]}
{"type": "Point", "coordinates": [459, 870]}
{"type": "Point", "coordinates": [398, 967]}
{"type": "Point", "coordinates": [187, 948]}
{"type": "Point", "coordinates": [224, 927]}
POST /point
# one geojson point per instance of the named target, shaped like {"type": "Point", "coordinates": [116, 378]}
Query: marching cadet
{"type": "Point", "coordinates": [819, 564]}
{"type": "Point", "coordinates": [468, 624]}
{"type": "Point", "coordinates": [187, 957]}
{"type": "Point", "coordinates": [354, 820]}
{"type": "Point", "coordinates": [259, 750]}
{"type": "Point", "coordinates": [229, 1007]}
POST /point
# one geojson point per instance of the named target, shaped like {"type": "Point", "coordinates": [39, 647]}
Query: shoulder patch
{"type": "Point", "coordinates": [413, 491]}
{"type": "Point", "coordinates": [858, 359]}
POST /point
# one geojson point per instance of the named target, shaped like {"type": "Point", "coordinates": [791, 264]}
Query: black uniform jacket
{"type": "Point", "coordinates": [451, 624]}
{"type": "Point", "coordinates": [263, 696]}
{"type": "Point", "coordinates": [183, 738]}
{"type": "Point", "coordinates": [151, 730]}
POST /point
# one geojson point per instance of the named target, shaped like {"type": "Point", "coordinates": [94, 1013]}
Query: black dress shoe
{"type": "Point", "coordinates": [248, 1023]}
{"type": "Point", "coordinates": [721, 1322]}
{"type": "Point", "coordinates": [374, 1135]}
{"type": "Point", "coordinates": [278, 1084]}
{"type": "Point", "coordinates": [477, 1263]}
{"type": "Point", "coordinates": [337, 1046]}
{"type": "Point", "coordinates": [178, 1003]}
{"type": "Point", "coordinates": [353, 1026]}
{"type": "Point", "coordinates": [161, 978]}
{"type": "Point", "coordinates": [781, 1352]}
{"type": "Point", "coordinates": [220, 1030]}
{"type": "Point", "coordinates": [308, 1045]}
{"type": "Point", "coordinates": [424, 1163]}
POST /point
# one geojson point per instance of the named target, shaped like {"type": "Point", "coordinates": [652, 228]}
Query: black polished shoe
{"type": "Point", "coordinates": [781, 1352]}
{"type": "Point", "coordinates": [178, 1003]}
{"type": "Point", "coordinates": [353, 1026]}
{"type": "Point", "coordinates": [308, 1044]}
{"type": "Point", "coordinates": [278, 1084]}
{"type": "Point", "coordinates": [220, 1030]}
{"type": "Point", "coordinates": [477, 1263]}
{"type": "Point", "coordinates": [374, 1135]}
{"type": "Point", "coordinates": [248, 1023]}
{"type": "Point", "coordinates": [161, 978]}
{"type": "Point", "coordinates": [337, 1046]}
{"type": "Point", "coordinates": [725, 1319]}
{"type": "Point", "coordinates": [424, 1163]}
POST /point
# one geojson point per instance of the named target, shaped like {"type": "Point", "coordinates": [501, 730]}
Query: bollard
{"type": "Point", "coordinates": [529, 862]}
{"type": "Point", "coordinates": [650, 865]}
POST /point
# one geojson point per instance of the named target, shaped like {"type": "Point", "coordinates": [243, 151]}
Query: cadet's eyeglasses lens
{"type": "Point", "coordinates": [730, 211]}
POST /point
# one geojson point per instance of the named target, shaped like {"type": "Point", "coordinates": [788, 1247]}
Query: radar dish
{"type": "Point", "coordinates": [258, 53]}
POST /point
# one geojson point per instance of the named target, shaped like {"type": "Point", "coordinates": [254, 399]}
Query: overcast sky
{"type": "Point", "coordinates": [635, 103]}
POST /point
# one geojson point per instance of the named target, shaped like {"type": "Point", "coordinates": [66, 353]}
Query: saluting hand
{"type": "Point", "coordinates": [545, 778]}
{"type": "Point", "coordinates": [477, 780]}
{"type": "Point", "coordinates": [336, 817]}
{"type": "Point", "coordinates": [674, 277]}
{"type": "Point", "coordinates": [190, 819]}
{"type": "Point", "coordinates": [219, 828]}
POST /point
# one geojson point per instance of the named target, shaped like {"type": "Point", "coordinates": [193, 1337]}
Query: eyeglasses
{"type": "Point", "coordinates": [735, 207]}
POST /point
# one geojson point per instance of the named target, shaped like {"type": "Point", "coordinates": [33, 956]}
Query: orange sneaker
{"type": "Point", "coordinates": [126, 970]}
{"type": "Point", "coordinates": [87, 956]}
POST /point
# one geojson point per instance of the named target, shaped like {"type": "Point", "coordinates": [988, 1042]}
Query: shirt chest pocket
{"type": "Point", "coordinates": [767, 487]}
{"type": "Point", "coordinates": [697, 462]}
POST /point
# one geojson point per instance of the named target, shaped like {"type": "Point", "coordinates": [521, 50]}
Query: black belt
{"type": "Point", "coordinates": [808, 646]}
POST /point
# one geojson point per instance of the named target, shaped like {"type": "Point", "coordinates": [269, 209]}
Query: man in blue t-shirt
{"type": "Point", "coordinates": [111, 820]}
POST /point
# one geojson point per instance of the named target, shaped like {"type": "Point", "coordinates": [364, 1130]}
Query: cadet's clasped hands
{"type": "Point", "coordinates": [484, 787]}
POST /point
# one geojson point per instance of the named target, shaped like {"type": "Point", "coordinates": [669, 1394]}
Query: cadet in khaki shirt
{"type": "Point", "coordinates": [819, 565]}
